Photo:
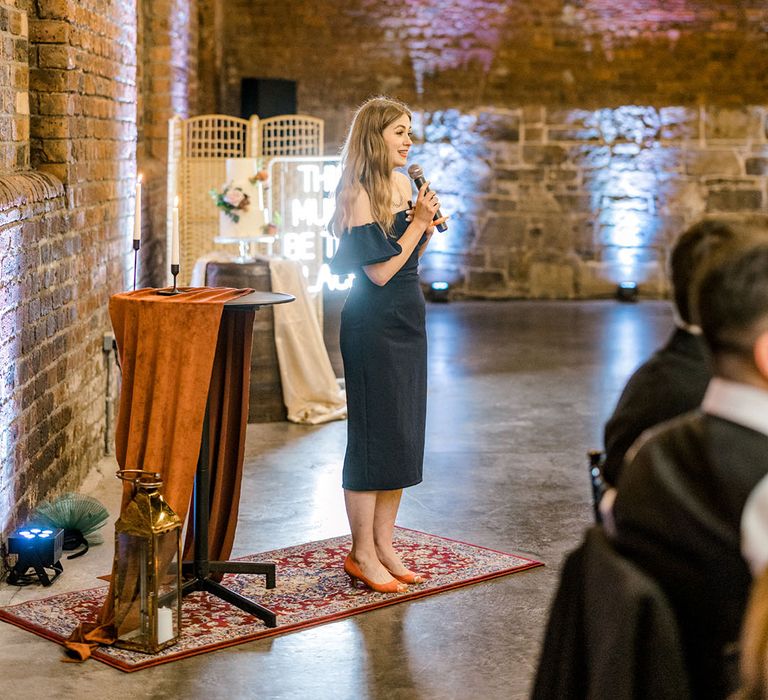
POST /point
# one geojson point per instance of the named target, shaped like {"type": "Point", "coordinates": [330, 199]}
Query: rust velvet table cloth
{"type": "Point", "coordinates": [177, 355]}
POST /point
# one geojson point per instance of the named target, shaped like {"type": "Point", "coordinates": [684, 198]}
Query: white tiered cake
{"type": "Point", "coordinates": [251, 222]}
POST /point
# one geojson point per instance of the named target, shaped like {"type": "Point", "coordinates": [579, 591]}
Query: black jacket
{"type": "Point", "coordinates": [671, 382]}
{"type": "Point", "coordinates": [677, 514]}
{"type": "Point", "coordinates": [611, 634]}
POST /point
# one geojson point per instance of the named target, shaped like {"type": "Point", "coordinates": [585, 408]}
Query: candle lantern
{"type": "Point", "coordinates": [147, 568]}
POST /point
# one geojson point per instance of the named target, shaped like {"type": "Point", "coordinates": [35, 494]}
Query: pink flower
{"type": "Point", "coordinates": [235, 197]}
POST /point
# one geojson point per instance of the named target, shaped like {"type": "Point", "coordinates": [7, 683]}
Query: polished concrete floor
{"type": "Point", "coordinates": [518, 393]}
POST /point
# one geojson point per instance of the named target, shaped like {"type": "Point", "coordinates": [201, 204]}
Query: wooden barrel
{"type": "Point", "coordinates": [266, 394]}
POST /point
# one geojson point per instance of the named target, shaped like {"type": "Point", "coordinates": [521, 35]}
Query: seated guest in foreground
{"type": "Point", "coordinates": [680, 498]}
{"type": "Point", "coordinates": [673, 380]}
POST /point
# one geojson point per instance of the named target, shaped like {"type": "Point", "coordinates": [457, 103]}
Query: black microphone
{"type": "Point", "coordinates": [417, 175]}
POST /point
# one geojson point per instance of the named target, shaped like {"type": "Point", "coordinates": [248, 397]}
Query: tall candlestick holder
{"type": "Point", "coordinates": [136, 246]}
{"type": "Point", "coordinates": [174, 290]}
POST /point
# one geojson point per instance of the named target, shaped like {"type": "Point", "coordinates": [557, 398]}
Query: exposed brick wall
{"type": "Point", "coordinates": [210, 56]}
{"type": "Point", "coordinates": [532, 113]}
{"type": "Point", "coordinates": [168, 45]}
{"type": "Point", "coordinates": [66, 214]}
{"type": "Point", "coordinates": [38, 297]}
{"type": "Point", "coordinates": [14, 86]}
{"type": "Point", "coordinates": [462, 53]}
{"type": "Point", "coordinates": [65, 240]}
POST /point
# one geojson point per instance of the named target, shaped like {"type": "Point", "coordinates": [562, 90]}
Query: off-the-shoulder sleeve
{"type": "Point", "coordinates": [363, 245]}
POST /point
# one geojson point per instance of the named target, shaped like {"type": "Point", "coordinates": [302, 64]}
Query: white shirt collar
{"type": "Point", "coordinates": [739, 403]}
{"type": "Point", "coordinates": [748, 406]}
{"type": "Point", "coordinates": [690, 327]}
{"type": "Point", "coordinates": [754, 528]}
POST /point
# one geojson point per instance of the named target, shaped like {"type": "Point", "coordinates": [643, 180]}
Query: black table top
{"type": "Point", "coordinates": [256, 299]}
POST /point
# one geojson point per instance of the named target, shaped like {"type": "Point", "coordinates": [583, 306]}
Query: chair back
{"type": "Point", "coordinates": [611, 632]}
{"type": "Point", "coordinates": [599, 487]}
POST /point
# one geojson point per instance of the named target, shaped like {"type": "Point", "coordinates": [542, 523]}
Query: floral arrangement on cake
{"type": "Point", "coordinates": [232, 200]}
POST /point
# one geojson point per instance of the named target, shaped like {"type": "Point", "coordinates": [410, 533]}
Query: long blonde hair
{"type": "Point", "coordinates": [754, 643]}
{"type": "Point", "coordinates": [365, 163]}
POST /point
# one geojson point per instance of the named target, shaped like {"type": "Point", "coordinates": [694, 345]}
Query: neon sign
{"type": "Point", "coordinates": [303, 192]}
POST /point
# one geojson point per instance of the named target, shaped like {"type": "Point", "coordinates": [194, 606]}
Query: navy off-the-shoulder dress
{"type": "Point", "coordinates": [384, 348]}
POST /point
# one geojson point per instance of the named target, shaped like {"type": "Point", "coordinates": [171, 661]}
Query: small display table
{"type": "Point", "coordinates": [201, 568]}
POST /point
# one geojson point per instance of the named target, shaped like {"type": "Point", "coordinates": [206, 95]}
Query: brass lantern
{"type": "Point", "coordinates": [147, 568]}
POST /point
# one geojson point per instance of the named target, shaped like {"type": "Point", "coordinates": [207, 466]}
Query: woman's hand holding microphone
{"type": "Point", "coordinates": [427, 205]}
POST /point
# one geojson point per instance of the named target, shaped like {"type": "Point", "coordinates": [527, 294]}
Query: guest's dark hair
{"type": "Point", "coordinates": [691, 250]}
{"type": "Point", "coordinates": [732, 295]}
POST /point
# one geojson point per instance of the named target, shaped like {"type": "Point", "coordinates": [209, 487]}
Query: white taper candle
{"type": "Point", "coordinates": [175, 234]}
{"type": "Point", "coordinates": [137, 214]}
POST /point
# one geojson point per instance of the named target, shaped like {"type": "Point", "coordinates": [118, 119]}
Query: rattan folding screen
{"type": "Point", "coordinates": [198, 149]}
{"type": "Point", "coordinates": [290, 135]}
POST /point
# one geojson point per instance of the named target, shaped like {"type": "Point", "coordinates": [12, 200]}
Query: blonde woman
{"type": "Point", "coordinates": [383, 338]}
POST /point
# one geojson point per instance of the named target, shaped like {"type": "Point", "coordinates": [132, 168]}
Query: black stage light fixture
{"type": "Point", "coordinates": [627, 291]}
{"type": "Point", "coordinates": [39, 549]}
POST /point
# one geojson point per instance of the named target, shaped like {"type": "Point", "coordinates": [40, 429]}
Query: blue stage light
{"type": "Point", "coordinates": [627, 291]}
{"type": "Point", "coordinates": [438, 291]}
{"type": "Point", "coordinates": [39, 549]}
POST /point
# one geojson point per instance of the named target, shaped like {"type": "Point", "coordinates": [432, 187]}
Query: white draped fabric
{"type": "Point", "coordinates": [311, 392]}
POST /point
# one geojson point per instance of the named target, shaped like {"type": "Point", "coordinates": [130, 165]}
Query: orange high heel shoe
{"type": "Point", "coordinates": [354, 573]}
{"type": "Point", "coordinates": [410, 578]}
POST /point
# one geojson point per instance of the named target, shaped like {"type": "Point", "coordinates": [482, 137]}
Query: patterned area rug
{"type": "Point", "coordinates": [312, 588]}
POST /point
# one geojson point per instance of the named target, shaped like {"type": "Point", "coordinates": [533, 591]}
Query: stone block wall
{"type": "Point", "coordinates": [571, 142]}
{"type": "Point", "coordinates": [558, 203]}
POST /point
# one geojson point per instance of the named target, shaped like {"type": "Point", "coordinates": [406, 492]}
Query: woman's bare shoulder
{"type": "Point", "coordinates": [361, 209]}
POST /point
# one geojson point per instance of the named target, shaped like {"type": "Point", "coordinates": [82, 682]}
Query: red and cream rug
{"type": "Point", "coordinates": [312, 589]}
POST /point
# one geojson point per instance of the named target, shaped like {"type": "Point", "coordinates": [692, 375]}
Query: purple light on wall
{"type": "Point", "coordinates": [441, 36]}
{"type": "Point", "coordinates": [182, 51]}
{"type": "Point", "coordinates": [10, 349]}
{"type": "Point", "coordinates": [630, 17]}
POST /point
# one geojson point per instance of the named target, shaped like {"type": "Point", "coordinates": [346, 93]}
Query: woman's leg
{"type": "Point", "coordinates": [385, 513]}
{"type": "Point", "coordinates": [361, 511]}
